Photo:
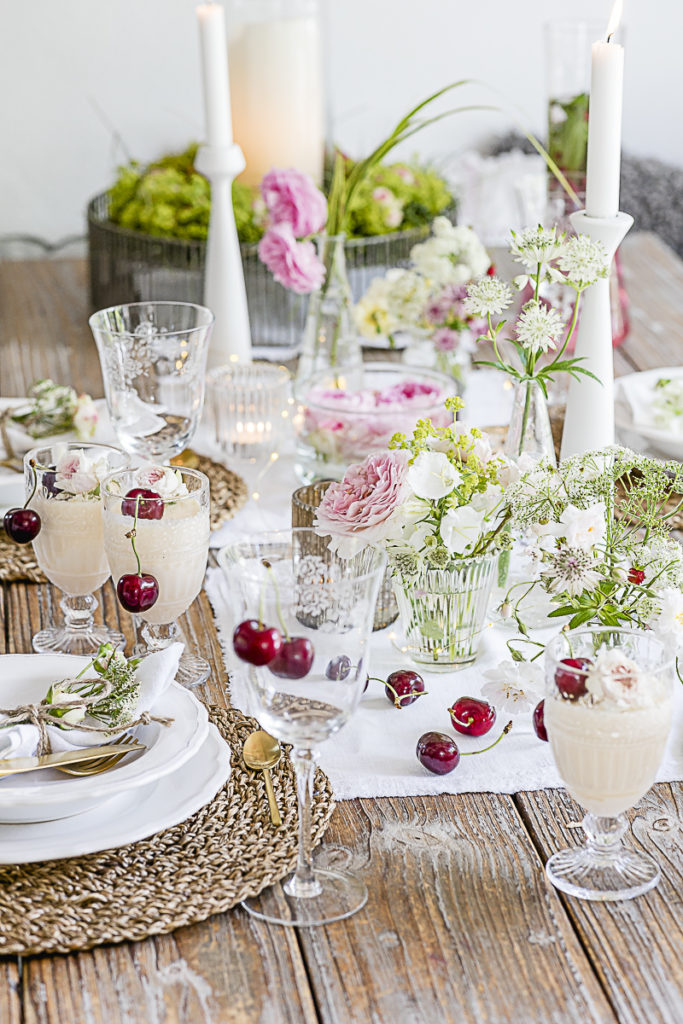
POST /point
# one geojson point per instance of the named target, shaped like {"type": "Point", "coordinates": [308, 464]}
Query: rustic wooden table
{"type": "Point", "coordinates": [461, 925]}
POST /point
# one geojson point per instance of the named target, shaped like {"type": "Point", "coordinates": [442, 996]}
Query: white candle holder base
{"type": "Point", "coordinates": [589, 419]}
{"type": "Point", "coordinates": [224, 290]}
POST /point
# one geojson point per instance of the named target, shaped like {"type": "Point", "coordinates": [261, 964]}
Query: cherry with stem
{"type": "Point", "coordinates": [23, 524]}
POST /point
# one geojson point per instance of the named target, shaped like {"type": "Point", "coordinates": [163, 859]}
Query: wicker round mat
{"type": "Point", "coordinates": [18, 562]}
{"type": "Point", "coordinates": [225, 852]}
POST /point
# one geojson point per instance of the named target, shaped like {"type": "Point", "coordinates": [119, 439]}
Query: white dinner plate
{"type": "Point", "coordinates": [633, 423]}
{"type": "Point", "coordinates": [48, 795]}
{"type": "Point", "coordinates": [127, 817]}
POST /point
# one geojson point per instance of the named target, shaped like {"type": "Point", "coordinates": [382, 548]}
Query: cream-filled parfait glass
{"type": "Point", "coordinates": [63, 485]}
{"type": "Point", "coordinates": [156, 537]}
{"type": "Point", "coordinates": [608, 710]}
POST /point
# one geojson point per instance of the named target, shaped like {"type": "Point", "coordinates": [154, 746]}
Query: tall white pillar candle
{"type": "Point", "coordinates": [214, 54]}
{"type": "Point", "coordinates": [604, 123]}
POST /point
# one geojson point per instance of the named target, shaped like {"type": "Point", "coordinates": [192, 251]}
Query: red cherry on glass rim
{"type": "Point", "coordinates": [636, 576]}
{"type": "Point", "coordinates": [149, 506]}
{"type": "Point", "coordinates": [570, 677]}
{"type": "Point", "coordinates": [538, 720]}
{"type": "Point", "coordinates": [294, 659]}
{"type": "Point", "coordinates": [437, 753]}
{"type": "Point", "coordinates": [472, 716]}
{"type": "Point", "coordinates": [255, 642]}
{"type": "Point", "coordinates": [21, 524]}
{"type": "Point", "coordinates": [403, 687]}
{"type": "Point", "coordinates": [136, 592]}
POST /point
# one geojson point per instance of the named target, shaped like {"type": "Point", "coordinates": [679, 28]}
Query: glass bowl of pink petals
{"type": "Point", "coordinates": [346, 413]}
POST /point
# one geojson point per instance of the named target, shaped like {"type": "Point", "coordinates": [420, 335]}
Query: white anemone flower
{"type": "Point", "coordinates": [433, 476]}
{"type": "Point", "coordinates": [461, 528]}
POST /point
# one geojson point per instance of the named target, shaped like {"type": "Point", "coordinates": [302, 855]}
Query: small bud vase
{"type": "Point", "coordinates": [529, 432]}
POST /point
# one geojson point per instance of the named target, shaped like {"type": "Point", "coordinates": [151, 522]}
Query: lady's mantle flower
{"type": "Point", "coordinates": [583, 261]}
{"type": "Point", "coordinates": [571, 571]}
{"type": "Point", "coordinates": [488, 297]}
{"type": "Point", "coordinates": [536, 245]}
{"type": "Point", "coordinates": [539, 328]}
{"type": "Point", "coordinates": [514, 686]}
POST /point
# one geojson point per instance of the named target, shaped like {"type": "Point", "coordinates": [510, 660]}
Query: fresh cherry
{"type": "Point", "coordinates": [339, 667]}
{"type": "Point", "coordinates": [636, 576]}
{"type": "Point", "coordinates": [48, 481]}
{"type": "Point", "coordinates": [255, 642]}
{"type": "Point", "coordinates": [437, 752]}
{"type": "Point", "coordinates": [538, 719]}
{"type": "Point", "coordinates": [149, 504]}
{"type": "Point", "coordinates": [570, 677]}
{"type": "Point", "coordinates": [403, 687]}
{"type": "Point", "coordinates": [137, 592]}
{"type": "Point", "coordinates": [294, 659]}
{"type": "Point", "coordinates": [471, 716]}
{"type": "Point", "coordinates": [21, 524]}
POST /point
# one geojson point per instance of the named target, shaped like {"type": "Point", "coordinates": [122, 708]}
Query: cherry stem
{"type": "Point", "coordinates": [32, 464]}
{"type": "Point", "coordinates": [278, 606]}
{"type": "Point", "coordinates": [454, 718]}
{"type": "Point", "coordinates": [133, 534]}
{"type": "Point", "coordinates": [468, 753]}
{"type": "Point", "coordinates": [398, 700]}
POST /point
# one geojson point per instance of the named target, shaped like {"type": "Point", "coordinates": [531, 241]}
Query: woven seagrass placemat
{"type": "Point", "coordinates": [225, 852]}
{"type": "Point", "coordinates": [18, 562]}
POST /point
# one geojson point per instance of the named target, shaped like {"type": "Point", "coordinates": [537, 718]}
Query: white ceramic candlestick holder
{"type": "Point", "coordinates": [589, 419]}
{"type": "Point", "coordinates": [224, 290]}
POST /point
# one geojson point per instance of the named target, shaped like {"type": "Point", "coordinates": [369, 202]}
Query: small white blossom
{"type": "Point", "coordinates": [536, 245]}
{"type": "Point", "coordinates": [539, 328]}
{"type": "Point", "coordinates": [583, 527]}
{"type": "Point", "coordinates": [514, 687]}
{"type": "Point", "coordinates": [452, 256]}
{"type": "Point", "coordinates": [167, 482]}
{"type": "Point", "coordinates": [668, 620]}
{"type": "Point", "coordinates": [583, 261]}
{"type": "Point", "coordinates": [433, 475]}
{"type": "Point", "coordinates": [487, 297]}
{"type": "Point", "coordinates": [461, 528]}
{"type": "Point", "coordinates": [571, 571]}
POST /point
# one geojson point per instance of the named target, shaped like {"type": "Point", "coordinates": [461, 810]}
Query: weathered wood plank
{"type": "Point", "coordinates": [460, 924]}
{"type": "Point", "coordinates": [653, 276]}
{"type": "Point", "coordinates": [635, 945]}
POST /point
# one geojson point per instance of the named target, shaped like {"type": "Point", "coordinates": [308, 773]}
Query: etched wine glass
{"type": "Point", "coordinates": [153, 358]}
{"type": "Point", "coordinates": [607, 712]}
{"type": "Point", "coordinates": [303, 618]}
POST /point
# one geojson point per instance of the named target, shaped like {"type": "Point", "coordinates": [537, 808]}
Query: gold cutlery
{"type": "Point", "coordinates": [261, 752]}
{"type": "Point", "coordinates": [18, 765]}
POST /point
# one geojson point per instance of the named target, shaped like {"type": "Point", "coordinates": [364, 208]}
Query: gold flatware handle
{"type": "Point", "coordinates": [272, 802]}
{"type": "Point", "coordinates": [27, 764]}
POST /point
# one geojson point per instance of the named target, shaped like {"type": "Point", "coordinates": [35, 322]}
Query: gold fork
{"type": "Point", "coordinates": [102, 764]}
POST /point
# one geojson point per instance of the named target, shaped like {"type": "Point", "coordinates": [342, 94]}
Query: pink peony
{"type": "Point", "coordinates": [294, 264]}
{"type": "Point", "coordinates": [293, 199]}
{"type": "Point", "coordinates": [360, 509]}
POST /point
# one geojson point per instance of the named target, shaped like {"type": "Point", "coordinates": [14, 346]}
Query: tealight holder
{"type": "Point", "coordinates": [249, 408]}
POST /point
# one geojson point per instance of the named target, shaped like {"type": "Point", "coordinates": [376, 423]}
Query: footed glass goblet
{"type": "Point", "coordinates": [608, 710]}
{"type": "Point", "coordinates": [303, 622]}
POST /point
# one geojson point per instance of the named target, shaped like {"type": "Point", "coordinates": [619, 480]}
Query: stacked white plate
{"type": "Point", "coordinates": [634, 397]}
{"type": "Point", "coordinates": [47, 814]}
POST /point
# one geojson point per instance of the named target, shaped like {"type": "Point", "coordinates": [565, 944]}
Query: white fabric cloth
{"type": "Point", "coordinates": [156, 673]}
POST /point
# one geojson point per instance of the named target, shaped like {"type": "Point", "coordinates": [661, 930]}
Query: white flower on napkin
{"type": "Point", "coordinates": [514, 687]}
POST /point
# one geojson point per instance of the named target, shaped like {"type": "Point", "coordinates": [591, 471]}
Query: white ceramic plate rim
{"type": "Point", "coordinates": [172, 746]}
{"type": "Point", "coordinates": [623, 408]}
{"type": "Point", "coordinates": [125, 818]}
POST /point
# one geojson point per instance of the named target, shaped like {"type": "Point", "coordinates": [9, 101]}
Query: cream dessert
{"type": "Point", "coordinates": [608, 723]}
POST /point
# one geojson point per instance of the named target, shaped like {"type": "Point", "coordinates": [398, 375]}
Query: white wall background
{"type": "Point", "coordinates": [73, 73]}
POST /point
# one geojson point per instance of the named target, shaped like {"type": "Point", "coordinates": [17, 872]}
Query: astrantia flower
{"type": "Point", "coordinates": [583, 261]}
{"type": "Point", "coordinates": [536, 245]}
{"type": "Point", "coordinates": [488, 297]}
{"type": "Point", "coordinates": [571, 571]}
{"type": "Point", "coordinates": [539, 328]}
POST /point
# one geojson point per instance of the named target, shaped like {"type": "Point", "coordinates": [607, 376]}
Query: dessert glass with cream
{"type": "Point", "coordinates": [608, 711]}
{"type": "Point", "coordinates": [172, 541]}
{"type": "Point", "coordinates": [62, 483]}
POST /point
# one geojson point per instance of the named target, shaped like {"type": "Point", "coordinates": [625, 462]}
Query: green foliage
{"type": "Point", "coordinates": [568, 133]}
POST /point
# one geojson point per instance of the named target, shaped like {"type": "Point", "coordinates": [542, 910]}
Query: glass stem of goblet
{"type": "Point", "coordinates": [303, 883]}
{"type": "Point", "coordinates": [604, 836]}
{"type": "Point", "coordinates": [78, 611]}
{"type": "Point", "coordinates": [159, 635]}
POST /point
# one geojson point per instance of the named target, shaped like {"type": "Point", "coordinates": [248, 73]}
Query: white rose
{"type": "Point", "coordinates": [461, 528]}
{"type": "Point", "coordinates": [433, 476]}
{"type": "Point", "coordinates": [76, 473]}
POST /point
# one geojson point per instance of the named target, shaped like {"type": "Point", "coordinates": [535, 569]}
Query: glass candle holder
{"type": "Point", "coordinates": [249, 407]}
{"type": "Point", "coordinates": [305, 502]}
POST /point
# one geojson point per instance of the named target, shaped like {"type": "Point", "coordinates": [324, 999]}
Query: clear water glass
{"type": "Point", "coordinates": [250, 408]}
{"type": "Point", "coordinates": [70, 547]}
{"type": "Point", "coordinates": [173, 548]}
{"type": "Point", "coordinates": [608, 753]}
{"type": "Point", "coordinates": [153, 358]}
{"type": "Point", "coordinates": [325, 603]}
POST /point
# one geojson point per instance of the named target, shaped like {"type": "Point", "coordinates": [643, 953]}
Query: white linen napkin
{"type": "Point", "coordinates": [156, 673]}
{"type": "Point", "coordinates": [639, 391]}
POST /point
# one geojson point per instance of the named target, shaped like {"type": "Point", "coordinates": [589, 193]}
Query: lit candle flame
{"type": "Point", "coordinates": [614, 19]}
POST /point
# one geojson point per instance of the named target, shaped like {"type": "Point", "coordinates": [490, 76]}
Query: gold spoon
{"type": "Point", "coordinates": [261, 752]}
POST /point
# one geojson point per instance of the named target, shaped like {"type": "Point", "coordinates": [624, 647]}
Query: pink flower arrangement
{"type": "Point", "coordinates": [296, 210]}
{"type": "Point", "coordinates": [362, 508]}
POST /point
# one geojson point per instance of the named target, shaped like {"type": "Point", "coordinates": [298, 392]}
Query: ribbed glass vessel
{"type": "Point", "coordinates": [443, 612]}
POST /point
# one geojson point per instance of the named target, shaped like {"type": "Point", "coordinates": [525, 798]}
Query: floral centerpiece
{"type": "Point", "coordinates": [577, 263]}
{"type": "Point", "coordinates": [435, 502]}
{"type": "Point", "coordinates": [601, 544]}
{"type": "Point", "coordinates": [427, 300]}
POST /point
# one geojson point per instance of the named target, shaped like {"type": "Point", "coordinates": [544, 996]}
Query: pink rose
{"type": "Point", "coordinates": [293, 199]}
{"type": "Point", "coordinates": [294, 264]}
{"type": "Point", "coordinates": [359, 510]}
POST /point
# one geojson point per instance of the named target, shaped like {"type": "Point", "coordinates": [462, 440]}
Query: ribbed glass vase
{"type": "Point", "coordinates": [443, 612]}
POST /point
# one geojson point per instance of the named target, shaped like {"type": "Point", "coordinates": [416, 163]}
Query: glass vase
{"type": "Point", "coordinates": [443, 612]}
{"type": "Point", "coordinates": [330, 338]}
{"type": "Point", "coordinates": [529, 432]}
